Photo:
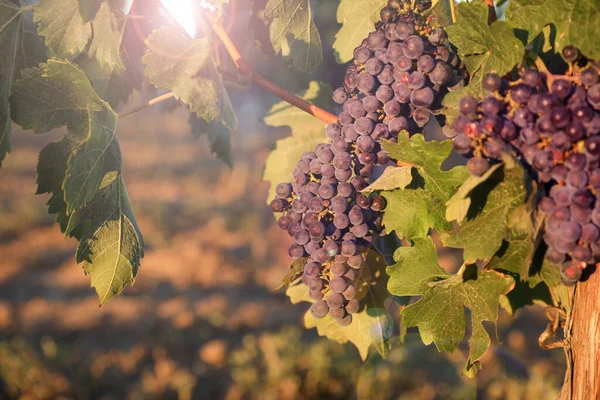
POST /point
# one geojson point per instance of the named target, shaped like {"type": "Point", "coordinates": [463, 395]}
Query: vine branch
{"type": "Point", "coordinates": [453, 10]}
{"type": "Point", "coordinates": [258, 80]}
{"type": "Point", "coordinates": [150, 103]}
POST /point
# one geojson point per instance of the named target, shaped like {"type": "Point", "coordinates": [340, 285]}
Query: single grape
{"type": "Point", "coordinates": [319, 309]}
{"type": "Point", "coordinates": [440, 74]}
{"type": "Point", "coordinates": [589, 77]}
{"type": "Point", "coordinates": [403, 30]}
{"type": "Point", "coordinates": [468, 105]}
{"type": "Point", "coordinates": [492, 82]}
{"type": "Point", "coordinates": [570, 54]}
{"type": "Point", "coordinates": [335, 300]}
{"type": "Point", "coordinates": [438, 36]}
{"type": "Point", "coordinates": [362, 54]}
{"type": "Point", "coordinates": [414, 47]}
{"type": "Point", "coordinates": [338, 284]}
{"type": "Point", "coordinates": [425, 63]}
{"type": "Point", "coordinates": [422, 97]}
{"type": "Point", "coordinates": [478, 166]}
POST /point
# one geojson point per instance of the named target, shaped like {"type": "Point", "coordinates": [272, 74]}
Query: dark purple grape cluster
{"type": "Point", "coordinates": [332, 224]}
{"type": "Point", "coordinates": [400, 72]}
{"type": "Point", "coordinates": [552, 124]}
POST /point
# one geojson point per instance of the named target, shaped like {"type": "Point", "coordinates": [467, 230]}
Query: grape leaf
{"type": "Point", "coordinates": [307, 132]}
{"type": "Point", "coordinates": [112, 247]}
{"type": "Point", "coordinates": [97, 156]}
{"type": "Point", "coordinates": [66, 98]}
{"type": "Point", "coordinates": [68, 35]}
{"type": "Point", "coordinates": [481, 235]}
{"type": "Point", "coordinates": [61, 24]}
{"type": "Point", "coordinates": [187, 68]}
{"type": "Point", "coordinates": [83, 171]}
{"type": "Point", "coordinates": [391, 178]}
{"type": "Point", "coordinates": [108, 29]}
{"type": "Point", "coordinates": [89, 9]}
{"type": "Point", "coordinates": [577, 22]}
{"type": "Point", "coordinates": [219, 137]}
{"type": "Point", "coordinates": [112, 86]}
{"type": "Point", "coordinates": [459, 204]}
{"type": "Point", "coordinates": [420, 206]}
{"type": "Point", "coordinates": [294, 273]}
{"type": "Point", "coordinates": [294, 34]}
{"type": "Point", "coordinates": [440, 9]}
{"type": "Point", "coordinates": [358, 19]}
{"type": "Point", "coordinates": [373, 325]}
{"type": "Point", "coordinates": [440, 312]}
{"type": "Point", "coordinates": [19, 48]}
{"type": "Point", "coordinates": [484, 48]}
{"type": "Point", "coordinates": [297, 292]}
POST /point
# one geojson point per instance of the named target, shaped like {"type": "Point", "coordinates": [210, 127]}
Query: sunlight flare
{"type": "Point", "coordinates": [184, 12]}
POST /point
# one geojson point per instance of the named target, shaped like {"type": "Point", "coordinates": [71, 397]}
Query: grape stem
{"type": "Point", "coordinates": [550, 77]}
{"type": "Point", "coordinates": [150, 103]}
{"type": "Point", "coordinates": [258, 80]}
{"type": "Point", "coordinates": [453, 10]}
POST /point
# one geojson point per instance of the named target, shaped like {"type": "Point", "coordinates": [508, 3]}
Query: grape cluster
{"type": "Point", "coordinates": [332, 223]}
{"type": "Point", "coordinates": [552, 123]}
{"type": "Point", "coordinates": [399, 74]}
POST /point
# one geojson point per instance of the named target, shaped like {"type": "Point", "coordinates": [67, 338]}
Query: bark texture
{"type": "Point", "coordinates": [583, 351]}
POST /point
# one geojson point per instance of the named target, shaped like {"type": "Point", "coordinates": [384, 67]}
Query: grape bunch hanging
{"type": "Point", "coordinates": [552, 124]}
{"type": "Point", "coordinates": [398, 77]}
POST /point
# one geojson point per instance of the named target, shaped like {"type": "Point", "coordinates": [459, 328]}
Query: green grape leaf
{"type": "Point", "coordinates": [484, 48]}
{"type": "Point", "coordinates": [358, 19]}
{"type": "Point", "coordinates": [481, 235]}
{"type": "Point", "coordinates": [187, 68]}
{"type": "Point", "coordinates": [577, 22]}
{"type": "Point", "coordinates": [97, 156]}
{"type": "Point", "coordinates": [19, 48]}
{"type": "Point", "coordinates": [112, 86]}
{"type": "Point", "coordinates": [421, 205]}
{"type": "Point", "coordinates": [106, 43]}
{"type": "Point", "coordinates": [112, 247]}
{"type": "Point", "coordinates": [83, 172]}
{"type": "Point", "coordinates": [391, 178]}
{"type": "Point", "coordinates": [307, 132]}
{"type": "Point", "coordinates": [427, 158]}
{"type": "Point", "coordinates": [298, 292]}
{"type": "Point", "coordinates": [294, 34]}
{"type": "Point", "coordinates": [440, 312]}
{"type": "Point", "coordinates": [295, 271]}
{"type": "Point", "coordinates": [66, 98]}
{"type": "Point", "coordinates": [219, 137]}
{"type": "Point", "coordinates": [412, 212]}
{"type": "Point", "coordinates": [372, 325]}
{"type": "Point", "coordinates": [441, 10]}
{"type": "Point", "coordinates": [89, 9]}
{"type": "Point", "coordinates": [459, 204]}
{"type": "Point", "coordinates": [416, 268]}
{"type": "Point", "coordinates": [61, 24]}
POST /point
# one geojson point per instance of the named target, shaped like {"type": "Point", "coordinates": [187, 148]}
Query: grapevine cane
{"type": "Point", "coordinates": [258, 80]}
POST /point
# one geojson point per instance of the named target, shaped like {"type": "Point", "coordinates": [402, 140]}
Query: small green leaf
{"type": "Point", "coordinates": [219, 137]}
{"type": "Point", "coordinates": [358, 19]}
{"type": "Point", "coordinates": [294, 34]}
{"type": "Point", "coordinates": [61, 24]}
{"type": "Point", "coordinates": [428, 157]}
{"type": "Point", "coordinates": [295, 271]}
{"type": "Point", "coordinates": [19, 48]}
{"type": "Point", "coordinates": [187, 68]}
{"type": "Point", "coordinates": [481, 235]}
{"type": "Point", "coordinates": [373, 325]}
{"type": "Point", "coordinates": [416, 267]}
{"type": "Point", "coordinates": [484, 48]}
{"type": "Point", "coordinates": [307, 132]}
{"type": "Point", "coordinates": [391, 178]}
{"type": "Point", "coordinates": [97, 156]}
{"type": "Point", "coordinates": [440, 314]}
{"type": "Point", "coordinates": [411, 212]}
{"type": "Point", "coordinates": [577, 22]}
{"type": "Point", "coordinates": [459, 204]}
{"type": "Point", "coordinates": [441, 11]}
{"type": "Point", "coordinates": [106, 42]}
{"type": "Point", "coordinates": [89, 9]}
{"type": "Point", "coordinates": [113, 246]}
{"type": "Point", "coordinates": [65, 99]}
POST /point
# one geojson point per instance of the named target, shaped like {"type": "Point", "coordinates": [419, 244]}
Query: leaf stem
{"type": "Point", "coordinates": [150, 103]}
{"type": "Point", "coordinates": [258, 80]}
{"type": "Point", "coordinates": [453, 10]}
{"type": "Point", "coordinates": [550, 77]}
